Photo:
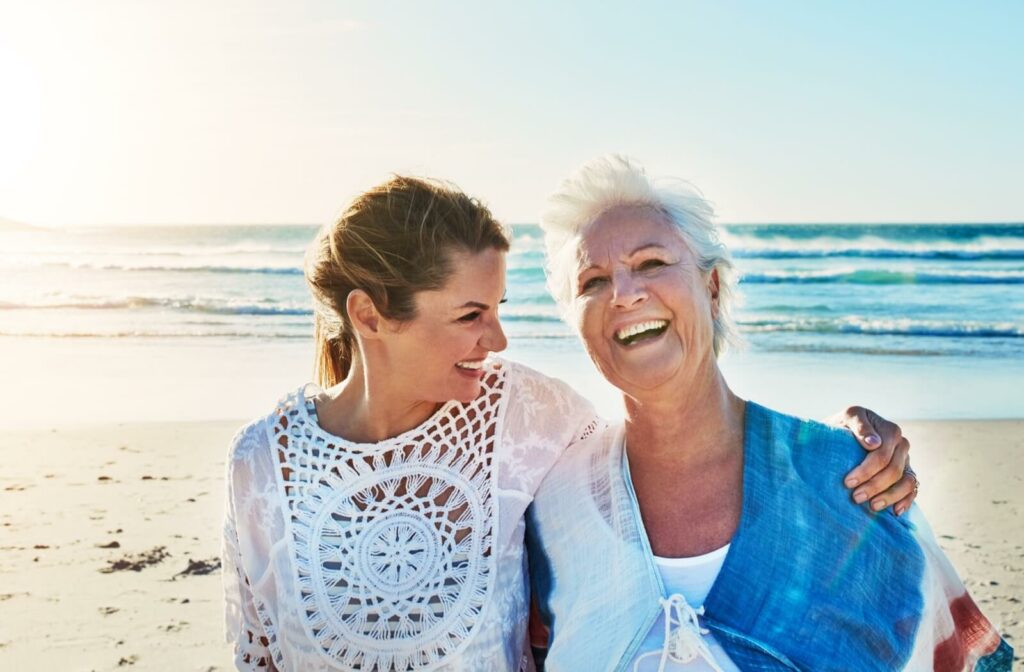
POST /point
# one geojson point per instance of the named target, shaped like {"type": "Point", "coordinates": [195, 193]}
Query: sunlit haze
{"type": "Point", "coordinates": [228, 112]}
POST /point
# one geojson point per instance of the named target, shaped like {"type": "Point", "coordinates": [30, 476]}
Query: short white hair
{"type": "Point", "coordinates": [615, 181]}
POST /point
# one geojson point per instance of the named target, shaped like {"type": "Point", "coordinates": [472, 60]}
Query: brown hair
{"type": "Point", "coordinates": [391, 242]}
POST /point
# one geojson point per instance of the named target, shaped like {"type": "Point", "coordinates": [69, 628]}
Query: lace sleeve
{"type": "Point", "coordinates": [544, 417]}
{"type": "Point", "coordinates": [243, 626]}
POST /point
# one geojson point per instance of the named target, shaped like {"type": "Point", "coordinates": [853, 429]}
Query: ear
{"type": "Point", "coordinates": [713, 288]}
{"type": "Point", "coordinates": [363, 314]}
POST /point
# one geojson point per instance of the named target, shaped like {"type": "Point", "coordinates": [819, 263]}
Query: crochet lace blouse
{"type": "Point", "coordinates": [405, 554]}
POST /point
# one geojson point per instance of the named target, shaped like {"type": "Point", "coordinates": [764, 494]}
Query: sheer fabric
{"type": "Point", "coordinates": [401, 555]}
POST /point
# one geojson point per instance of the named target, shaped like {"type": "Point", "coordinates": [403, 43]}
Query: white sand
{"type": "Point", "coordinates": [65, 492]}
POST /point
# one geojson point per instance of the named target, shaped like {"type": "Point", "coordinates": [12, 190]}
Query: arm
{"type": "Point", "coordinates": [884, 477]}
{"type": "Point", "coordinates": [242, 623]}
{"type": "Point", "coordinates": [243, 626]}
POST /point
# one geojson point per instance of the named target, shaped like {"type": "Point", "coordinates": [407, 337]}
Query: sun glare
{"type": "Point", "coordinates": [19, 115]}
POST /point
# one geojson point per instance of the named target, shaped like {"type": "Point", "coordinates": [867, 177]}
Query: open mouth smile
{"type": "Point", "coordinates": [641, 331]}
{"type": "Point", "coordinates": [471, 368]}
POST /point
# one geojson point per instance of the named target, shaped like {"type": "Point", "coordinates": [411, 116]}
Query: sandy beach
{"type": "Point", "coordinates": [110, 536]}
{"type": "Point", "coordinates": [171, 171]}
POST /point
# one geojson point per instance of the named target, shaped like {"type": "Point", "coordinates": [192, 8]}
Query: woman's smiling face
{"type": "Point", "coordinates": [438, 355]}
{"type": "Point", "coordinates": [643, 307]}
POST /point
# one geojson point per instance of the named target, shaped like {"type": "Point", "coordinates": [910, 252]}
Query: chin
{"type": "Point", "coordinates": [648, 377]}
{"type": "Point", "coordinates": [468, 397]}
{"type": "Point", "coordinates": [465, 392]}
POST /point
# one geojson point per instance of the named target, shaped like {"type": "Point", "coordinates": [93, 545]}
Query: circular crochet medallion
{"type": "Point", "coordinates": [397, 562]}
{"type": "Point", "coordinates": [399, 549]}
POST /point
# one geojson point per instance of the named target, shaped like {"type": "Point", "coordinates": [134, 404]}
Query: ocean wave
{"type": "Point", "coordinates": [529, 317]}
{"type": "Point", "coordinates": [870, 349]}
{"type": "Point", "coordinates": [213, 306]}
{"type": "Point", "coordinates": [525, 312]}
{"type": "Point", "coordinates": [942, 234]}
{"type": "Point", "coordinates": [904, 327]}
{"type": "Point", "coordinates": [944, 254]}
{"type": "Point", "coordinates": [142, 333]}
{"type": "Point", "coordinates": [183, 268]}
{"type": "Point", "coordinates": [194, 334]}
{"type": "Point", "coordinates": [883, 277]}
{"type": "Point", "coordinates": [239, 249]}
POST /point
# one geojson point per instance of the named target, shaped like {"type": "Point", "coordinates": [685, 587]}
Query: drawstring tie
{"type": "Point", "coordinates": [683, 635]}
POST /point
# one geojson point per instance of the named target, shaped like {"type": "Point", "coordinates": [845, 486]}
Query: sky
{"type": "Point", "coordinates": [211, 111]}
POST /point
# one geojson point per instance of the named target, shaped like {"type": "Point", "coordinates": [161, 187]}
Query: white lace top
{"type": "Point", "coordinates": [401, 555]}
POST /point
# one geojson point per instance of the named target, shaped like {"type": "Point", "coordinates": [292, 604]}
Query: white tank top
{"type": "Point", "coordinates": [687, 584]}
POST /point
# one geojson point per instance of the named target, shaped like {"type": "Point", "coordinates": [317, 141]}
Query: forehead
{"type": "Point", "coordinates": [476, 276]}
{"type": "Point", "coordinates": [621, 231]}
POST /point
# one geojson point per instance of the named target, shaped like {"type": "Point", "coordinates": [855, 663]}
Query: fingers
{"type": "Point", "coordinates": [890, 484]}
{"type": "Point", "coordinates": [876, 434]}
{"type": "Point", "coordinates": [900, 496]}
{"type": "Point", "coordinates": [859, 420]}
{"type": "Point", "coordinates": [902, 504]}
{"type": "Point", "coordinates": [869, 468]}
{"type": "Point", "coordinates": [890, 432]}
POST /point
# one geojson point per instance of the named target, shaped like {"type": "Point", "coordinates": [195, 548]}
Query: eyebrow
{"type": "Point", "coordinates": [472, 304]}
{"type": "Point", "coordinates": [641, 248]}
{"type": "Point", "coordinates": [480, 306]}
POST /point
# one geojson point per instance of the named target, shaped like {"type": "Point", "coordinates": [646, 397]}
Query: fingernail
{"type": "Point", "coordinates": [852, 482]}
{"type": "Point", "coordinates": [879, 505]}
{"type": "Point", "coordinates": [860, 497]}
{"type": "Point", "coordinates": [874, 440]}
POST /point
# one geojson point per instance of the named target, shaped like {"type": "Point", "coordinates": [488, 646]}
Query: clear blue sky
{"type": "Point", "coordinates": [210, 111]}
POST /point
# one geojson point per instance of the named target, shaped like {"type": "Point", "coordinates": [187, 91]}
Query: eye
{"type": "Point", "coordinates": [470, 317]}
{"type": "Point", "coordinates": [651, 264]}
{"type": "Point", "coordinates": [592, 283]}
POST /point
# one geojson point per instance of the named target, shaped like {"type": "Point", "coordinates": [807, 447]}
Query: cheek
{"type": "Point", "coordinates": [586, 312]}
{"type": "Point", "coordinates": [590, 325]}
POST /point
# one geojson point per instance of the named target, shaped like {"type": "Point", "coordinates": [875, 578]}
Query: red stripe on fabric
{"type": "Point", "coordinates": [973, 637]}
{"type": "Point", "coordinates": [538, 631]}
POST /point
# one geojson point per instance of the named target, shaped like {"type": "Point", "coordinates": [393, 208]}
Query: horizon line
{"type": "Point", "coordinates": [881, 222]}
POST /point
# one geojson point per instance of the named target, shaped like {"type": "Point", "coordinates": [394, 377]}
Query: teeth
{"type": "Point", "coordinates": [640, 328]}
{"type": "Point", "coordinates": [471, 365]}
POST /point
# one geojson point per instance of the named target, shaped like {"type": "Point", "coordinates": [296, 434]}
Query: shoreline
{"type": "Point", "coordinates": [68, 492]}
{"type": "Point", "coordinates": [103, 380]}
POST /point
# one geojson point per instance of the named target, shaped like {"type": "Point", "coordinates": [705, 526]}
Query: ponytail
{"type": "Point", "coordinates": [332, 358]}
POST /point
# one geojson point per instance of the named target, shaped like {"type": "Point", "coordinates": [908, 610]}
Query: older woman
{"type": "Point", "coordinates": [375, 521]}
{"type": "Point", "coordinates": [708, 532]}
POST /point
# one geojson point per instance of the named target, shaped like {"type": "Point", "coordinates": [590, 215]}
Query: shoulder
{"type": "Point", "coordinates": [251, 442]}
{"type": "Point", "coordinates": [523, 379]}
{"type": "Point", "coordinates": [797, 431]}
{"type": "Point", "coordinates": [248, 439]}
{"type": "Point", "coordinates": [807, 445]}
{"type": "Point", "coordinates": [595, 457]}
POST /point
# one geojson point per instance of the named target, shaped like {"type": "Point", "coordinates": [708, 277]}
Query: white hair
{"type": "Point", "coordinates": [615, 181]}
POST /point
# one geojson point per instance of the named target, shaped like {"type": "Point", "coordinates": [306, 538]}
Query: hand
{"type": "Point", "coordinates": [884, 477]}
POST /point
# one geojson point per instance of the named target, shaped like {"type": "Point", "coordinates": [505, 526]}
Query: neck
{"type": "Point", "coordinates": [686, 424]}
{"type": "Point", "coordinates": [364, 408]}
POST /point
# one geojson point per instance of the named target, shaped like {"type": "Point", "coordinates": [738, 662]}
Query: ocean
{"type": "Point", "coordinates": [946, 298]}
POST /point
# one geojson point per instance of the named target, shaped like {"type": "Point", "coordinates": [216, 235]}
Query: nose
{"type": "Point", "coordinates": [627, 289]}
{"type": "Point", "coordinates": [494, 338]}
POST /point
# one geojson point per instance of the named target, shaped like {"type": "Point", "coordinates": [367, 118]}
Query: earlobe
{"type": "Point", "coordinates": [363, 314]}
